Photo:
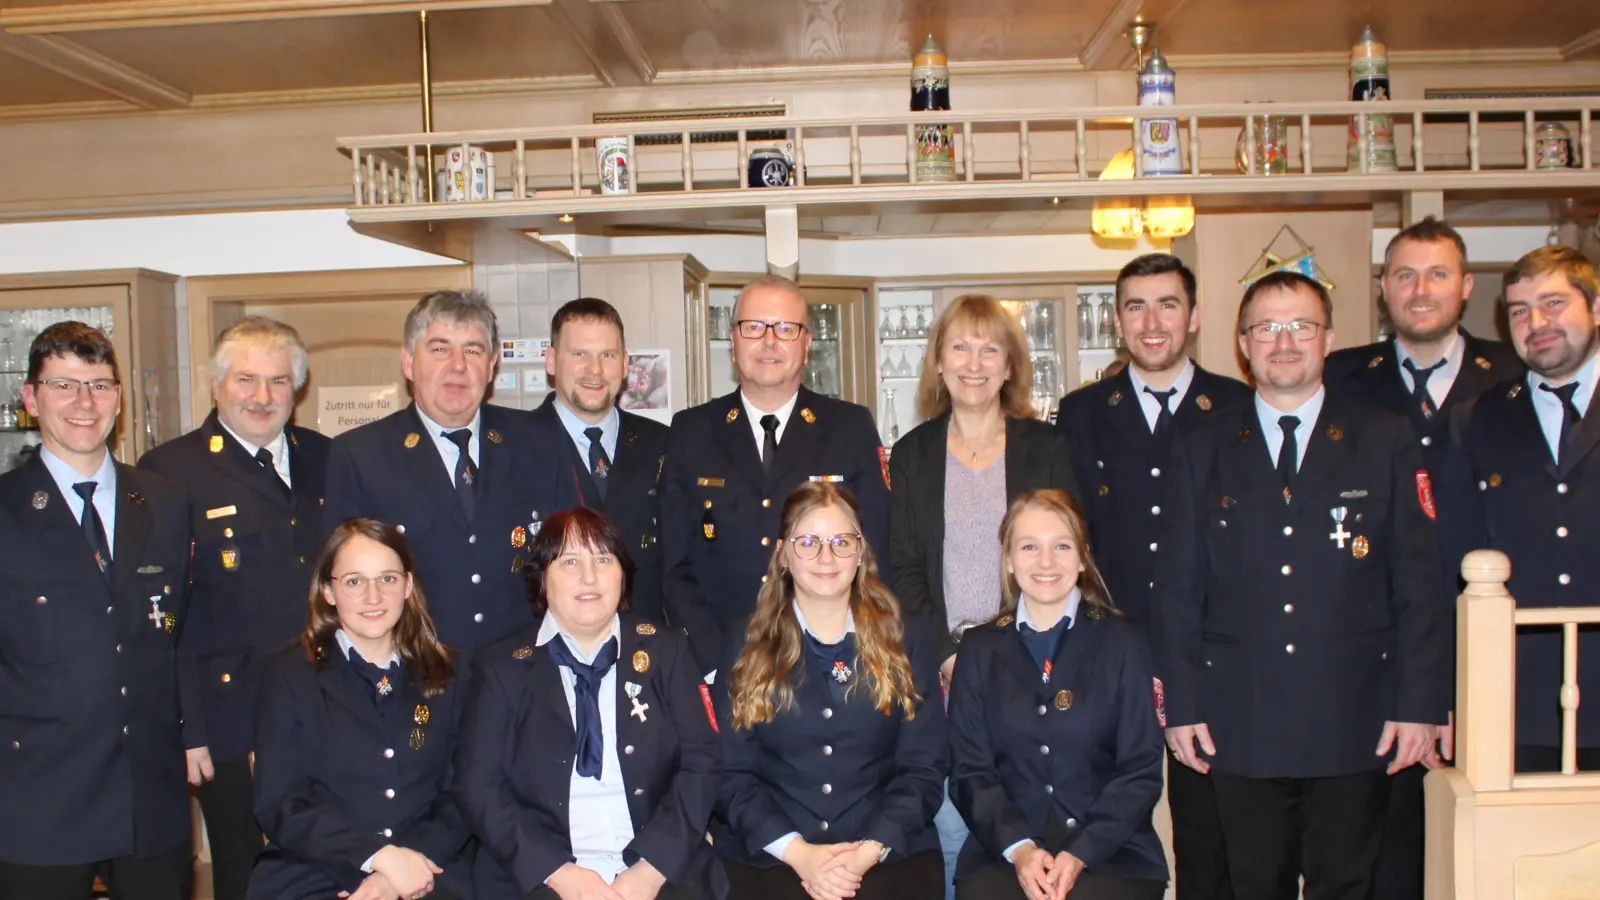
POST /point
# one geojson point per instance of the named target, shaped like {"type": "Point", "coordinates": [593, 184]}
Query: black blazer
{"type": "Point", "coordinates": [1074, 764]}
{"type": "Point", "coordinates": [834, 773]}
{"type": "Point", "coordinates": [713, 477]}
{"type": "Point", "coordinates": [335, 781]}
{"type": "Point", "coordinates": [91, 751]}
{"type": "Point", "coordinates": [471, 571]}
{"type": "Point", "coordinates": [1293, 647]}
{"type": "Point", "coordinates": [255, 547]}
{"type": "Point", "coordinates": [515, 762]}
{"type": "Point", "coordinates": [632, 497]}
{"type": "Point", "coordinates": [1036, 457]}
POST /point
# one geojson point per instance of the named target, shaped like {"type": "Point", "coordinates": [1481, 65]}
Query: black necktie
{"type": "Point", "coordinates": [837, 662]}
{"type": "Point", "coordinates": [93, 529]}
{"type": "Point", "coordinates": [1419, 386]}
{"type": "Point", "coordinates": [382, 683]}
{"type": "Point", "coordinates": [1569, 418]}
{"type": "Point", "coordinates": [1164, 418]}
{"type": "Point", "coordinates": [1289, 456]}
{"type": "Point", "coordinates": [586, 692]}
{"type": "Point", "coordinates": [264, 456]}
{"type": "Point", "coordinates": [769, 442]}
{"type": "Point", "coordinates": [599, 463]}
{"type": "Point", "coordinates": [1042, 645]}
{"type": "Point", "coordinates": [466, 474]}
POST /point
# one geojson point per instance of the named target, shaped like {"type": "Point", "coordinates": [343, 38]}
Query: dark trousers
{"type": "Point", "coordinates": [917, 877]}
{"type": "Point", "coordinates": [169, 876]}
{"type": "Point", "coordinates": [999, 882]}
{"type": "Point", "coordinates": [1399, 873]}
{"type": "Point", "coordinates": [1328, 829]}
{"type": "Point", "coordinates": [1534, 758]}
{"type": "Point", "coordinates": [668, 892]}
{"type": "Point", "coordinates": [228, 802]}
{"type": "Point", "coordinates": [1201, 860]}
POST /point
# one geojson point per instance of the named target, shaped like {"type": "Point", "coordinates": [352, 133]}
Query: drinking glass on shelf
{"type": "Point", "coordinates": [920, 328]}
{"type": "Point", "coordinates": [902, 328]}
{"type": "Point", "coordinates": [904, 369]}
{"type": "Point", "coordinates": [1106, 328]}
{"type": "Point", "coordinates": [886, 327]}
{"type": "Point", "coordinates": [1085, 323]}
{"type": "Point", "coordinates": [887, 369]}
{"type": "Point", "coordinates": [1044, 325]}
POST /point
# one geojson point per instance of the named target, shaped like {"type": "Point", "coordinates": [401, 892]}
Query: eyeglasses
{"type": "Point", "coordinates": [65, 388]}
{"type": "Point", "coordinates": [755, 329]}
{"type": "Point", "coordinates": [1299, 330]}
{"type": "Point", "coordinates": [354, 586]}
{"type": "Point", "coordinates": [809, 546]}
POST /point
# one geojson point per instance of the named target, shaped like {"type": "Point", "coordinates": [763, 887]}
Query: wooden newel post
{"type": "Point", "coordinates": [1486, 670]}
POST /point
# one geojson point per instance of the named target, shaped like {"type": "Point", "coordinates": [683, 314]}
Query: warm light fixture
{"type": "Point", "coordinates": [1127, 218]}
{"type": "Point", "coordinates": [564, 218]}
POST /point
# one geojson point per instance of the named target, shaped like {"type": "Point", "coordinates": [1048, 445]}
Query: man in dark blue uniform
{"type": "Point", "coordinates": [732, 461]}
{"type": "Point", "coordinates": [614, 457]}
{"type": "Point", "coordinates": [255, 504]}
{"type": "Point", "coordinates": [468, 483]}
{"type": "Point", "coordinates": [1299, 617]}
{"type": "Point", "coordinates": [1531, 442]}
{"type": "Point", "coordinates": [1121, 430]}
{"type": "Point", "coordinates": [94, 560]}
{"type": "Point", "coordinates": [1429, 368]}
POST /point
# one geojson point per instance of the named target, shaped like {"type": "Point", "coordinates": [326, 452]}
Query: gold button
{"type": "Point", "coordinates": [226, 678]}
{"type": "Point", "coordinates": [302, 560]}
{"type": "Point", "coordinates": [763, 579]}
{"type": "Point", "coordinates": [40, 600]}
{"type": "Point", "coordinates": [766, 502]}
{"type": "Point", "coordinates": [227, 532]}
{"type": "Point", "coordinates": [16, 745]}
{"type": "Point", "coordinates": [708, 504]}
{"type": "Point", "coordinates": [766, 542]}
{"type": "Point", "coordinates": [293, 521]}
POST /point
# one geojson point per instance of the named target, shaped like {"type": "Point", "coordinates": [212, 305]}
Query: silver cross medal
{"type": "Point", "coordinates": [638, 708]}
{"type": "Point", "coordinates": [155, 611]}
{"type": "Point", "coordinates": [1339, 535]}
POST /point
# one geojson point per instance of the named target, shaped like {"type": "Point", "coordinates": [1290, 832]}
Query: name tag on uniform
{"type": "Point", "coordinates": [221, 511]}
{"type": "Point", "coordinates": [831, 479]}
{"type": "Point", "coordinates": [709, 482]}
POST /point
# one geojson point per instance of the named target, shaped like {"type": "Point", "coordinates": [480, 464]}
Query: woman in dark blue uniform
{"type": "Point", "coordinates": [357, 727]}
{"type": "Point", "coordinates": [1057, 744]}
{"type": "Point", "coordinates": [834, 742]}
{"type": "Point", "coordinates": [589, 760]}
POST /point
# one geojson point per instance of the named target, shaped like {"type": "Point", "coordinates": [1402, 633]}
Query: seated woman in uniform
{"type": "Point", "coordinates": [833, 736]}
{"type": "Point", "coordinates": [356, 730]}
{"type": "Point", "coordinates": [1055, 727]}
{"type": "Point", "coordinates": [589, 760]}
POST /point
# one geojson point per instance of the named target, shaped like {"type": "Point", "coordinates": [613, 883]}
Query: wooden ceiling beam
{"type": "Point", "coordinates": [1582, 47]}
{"type": "Point", "coordinates": [119, 14]}
{"type": "Point", "coordinates": [1103, 51]}
{"type": "Point", "coordinates": [602, 32]}
{"type": "Point", "coordinates": [73, 60]}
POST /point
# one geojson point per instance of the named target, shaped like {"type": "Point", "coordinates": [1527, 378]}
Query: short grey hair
{"type": "Point", "coordinates": [767, 281]}
{"type": "Point", "coordinates": [260, 331]}
{"type": "Point", "coordinates": [461, 307]}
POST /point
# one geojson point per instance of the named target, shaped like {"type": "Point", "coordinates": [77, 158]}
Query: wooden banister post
{"type": "Point", "coordinates": [1486, 671]}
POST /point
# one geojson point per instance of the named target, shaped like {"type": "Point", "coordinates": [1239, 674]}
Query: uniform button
{"type": "Point", "coordinates": [1427, 442]}
{"type": "Point", "coordinates": [766, 502]}
{"type": "Point", "coordinates": [477, 617]}
{"type": "Point", "coordinates": [1072, 823]}
{"type": "Point", "coordinates": [302, 560]}
{"type": "Point", "coordinates": [1153, 547]}
{"type": "Point", "coordinates": [1288, 608]}
{"type": "Point", "coordinates": [124, 729]}
{"type": "Point", "coordinates": [1561, 488]}
{"type": "Point", "coordinates": [1100, 464]}
{"type": "Point", "coordinates": [226, 678]}
{"type": "Point", "coordinates": [827, 713]}
{"type": "Point", "coordinates": [763, 579]}
{"type": "Point", "coordinates": [824, 826]}
{"type": "Point", "coordinates": [16, 745]}
{"type": "Point", "coordinates": [1287, 570]}
{"type": "Point", "coordinates": [1483, 485]}
{"type": "Point", "coordinates": [1155, 473]}
{"type": "Point", "coordinates": [1289, 649]}
{"type": "Point", "coordinates": [476, 578]}
{"type": "Point", "coordinates": [1385, 654]}
{"type": "Point", "coordinates": [628, 750]}
{"type": "Point", "coordinates": [388, 753]}
{"type": "Point", "coordinates": [1288, 530]}
{"type": "Point", "coordinates": [1049, 789]}
{"type": "Point", "coordinates": [388, 832]}
{"type": "Point", "coordinates": [108, 610]}
{"type": "Point", "coordinates": [124, 690]}
{"type": "Point", "coordinates": [1561, 531]}
{"type": "Point", "coordinates": [472, 539]}
{"type": "Point", "coordinates": [766, 542]}
{"type": "Point", "coordinates": [1223, 523]}
{"type": "Point", "coordinates": [827, 789]}
{"type": "Point", "coordinates": [1564, 578]}
{"type": "Point", "coordinates": [638, 792]}
{"type": "Point", "coordinates": [1155, 510]}
{"type": "Point", "coordinates": [41, 600]}
{"type": "Point", "coordinates": [1043, 709]}
{"type": "Point", "coordinates": [827, 750]}
{"type": "Point", "coordinates": [119, 648]}
{"type": "Point", "coordinates": [400, 528]}
{"type": "Point", "coordinates": [389, 793]}
{"type": "Point", "coordinates": [1044, 750]}
{"type": "Point", "coordinates": [293, 521]}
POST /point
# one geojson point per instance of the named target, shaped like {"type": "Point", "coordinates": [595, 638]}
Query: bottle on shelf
{"type": "Point", "coordinates": [891, 422]}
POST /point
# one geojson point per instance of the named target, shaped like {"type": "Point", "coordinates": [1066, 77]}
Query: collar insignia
{"type": "Point", "coordinates": [1515, 390]}
{"type": "Point", "coordinates": [1203, 402]}
{"type": "Point", "coordinates": [493, 436]}
{"type": "Point", "coordinates": [808, 415]}
{"type": "Point", "coordinates": [1004, 620]}
{"type": "Point", "coordinates": [40, 499]}
{"type": "Point", "coordinates": [136, 498]}
{"type": "Point", "coordinates": [1482, 363]}
{"type": "Point", "coordinates": [215, 444]}
{"type": "Point", "coordinates": [641, 661]}
{"type": "Point", "coordinates": [522, 653]}
{"type": "Point", "coordinates": [1335, 433]}
{"type": "Point", "coordinates": [1376, 361]}
{"type": "Point", "coordinates": [733, 416]}
{"type": "Point", "coordinates": [644, 628]}
{"type": "Point", "coordinates": [412, 440]}
{"type": "Point", "coordinates": [1114, 399]}
{"type": "Point", "coordinates": [1244, 436]}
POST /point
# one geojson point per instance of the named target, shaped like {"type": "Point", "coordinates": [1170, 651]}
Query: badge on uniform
{"type": "Point", "coordinates": [1482, 363]}
{"type": "Point", "coordinates": [1063, 700]}
{"type": "Point", "coordinates": [1425, 494]}
{"type": "Point", "coordinates": [1360, 548]}
{"type": "Point", "coordinates": [808, 415]}
{"type": "Point", "coordinates": [711, 709]}
{"type": "Point", "coordinates": [1114, 399]}
{"type": "Point", "coordinates": [883, 464]}
{"type": "Point", "coordinates": [733, 416]}
{"type": "Point", "coordinates": [1161, 701]}
{"type": "Point", "coordinates": [1203, 402]}
{"type": "Point", "coordinates": [384, 686]}
{"type": "Point", "coordinates": [641, 661]}
{"type": "Point", "coordinates": [1376, 361]}
{"type": "Point", "coordinates": [136, 498]}
{"type": "Point", "coordinates": [644, 628]}
{"type": "Point", "coordinates": [1244, 436]}
{"type": "Point", "coordinates": [639, 709]}
{"type": "Point", "coordinates": [222, 512]}
{"type": "Point", "coordinates": [1104, 490]}
{"type": "Point", "coordinates": [1494, 480]}
{"type": "Point", "coordinates": [708, 525]}
{"type": "Point", "coordinates": [1339, 535]}
{"type": "Point", "coordinates": [1352, 495]}
{"type": "Point", "coordinates": [830, 479]}
{"type": "Point", "coordinates": [1335, 433]}
{"type": "Point", "coordinates": [519, 537]}
{"type": "Point", "coordinates": [841, 672]}
{"type": "Point", "coordinates": [40, 499]}
{"type": "Point", "coordinates": [156, 617]}
{"type": "Point", "coordinates": [412, 440]}
{"type": "Point", "coordinates": [215, 444]}
{"type": "Point", "coordinates": [420, 716]}
{"type": "Point", "coordinates": [709, 482]}
{"type": "Point", "coordinates": [534, 524]}
{"type": "Point", "coordinates": [493, 436]}
{"type": "Point", "coordinates": [522, 652]}
{"type": "Point", "coordinates": [230, 559]}
{"type": "Point", "coordinates": [1004, 620]}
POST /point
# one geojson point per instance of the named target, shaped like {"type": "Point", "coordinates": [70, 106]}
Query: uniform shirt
{"type": "Point", "coordinates": [599, 822]}
{"type": "Point", "coordinates": [1149, 404]}
{"type": "Point", "coordinates": [1440, 381]}
{"type": "Point", "coordinates": [1307, 413]}
{"type": "Point", "coordinates": [278, 448]}
{"type": "Point", "coordinates": [105, 490]}
{"type": "Point", "coordinates": [777, 847]}
{"type": "Point", "coordinates": [754, 415]}
{"type": "Point", "coordinates": [448, 451]}
{"type": "Point", "coordinates": [1024, 617]}
{"type": "Point", "coordinates": [609, 427]}
{"type": "Point", "coordinates": [1545, 404]}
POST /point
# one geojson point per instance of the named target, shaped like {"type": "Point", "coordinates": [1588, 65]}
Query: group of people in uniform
{"type": "Point", "coordinates": [467, 651]}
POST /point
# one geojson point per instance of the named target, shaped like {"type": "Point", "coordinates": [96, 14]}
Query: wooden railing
{"type": "Point", "coordinates": [1440, 144]}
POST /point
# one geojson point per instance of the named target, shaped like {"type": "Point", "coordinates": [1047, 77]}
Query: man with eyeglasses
{"type": "Point", "coordinates": [1425, 372]}
{"type": "Point", "coordinates": [1300, 624]}
{"type": "Point", "coordinates": [732, 461]}
{"type": "Point", "coordinates": [255, 496]}
{"type": "Point", "coordinates": [1531, 442]}
{"type": "Point", "coordinates": [95, 563]}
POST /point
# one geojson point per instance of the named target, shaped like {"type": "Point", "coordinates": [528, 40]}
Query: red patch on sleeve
{"type": "Point", "coordinates": [1425, 494]}
{"type": "Point", "coordinates": [883, 463]}
{"type": "Point", "coordinates": [711, 711]}
{"type": "Point", "coordinates": [1161, 702]}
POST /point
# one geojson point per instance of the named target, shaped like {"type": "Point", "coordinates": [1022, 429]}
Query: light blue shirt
{"type": "Point", "coordinates": [347, 645]}
{"type": "Point", "coordinates": [279, 448]}
{"type": "Point", "coordinates": [105, 491]}
{"type": "Point", "coordinates": [609, 426]}
{"type": "Point", "coordinates": [1443, 377]}
{"type": "Point", "coordinates": [1545, 404]}
{"type": "Point", "coordinates": [1071, 615]}
{"type": "Point", "coordinates": [1307, 414]}
{"type": "Point", "coordinates": [448, 451]}
{"type": "Point", "coordinates": [1152, 406]}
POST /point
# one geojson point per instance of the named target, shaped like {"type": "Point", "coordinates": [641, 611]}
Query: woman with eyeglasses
{"type": "Point", "coordinates": [1055, 726]}
{"type": "Point", "coordinates": [357, 727]}
{"type": "Point", "coordinates": [833, 739]}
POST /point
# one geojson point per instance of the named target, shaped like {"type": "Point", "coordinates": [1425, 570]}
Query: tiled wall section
{"type": "Point", "coordinates": [525, 294]}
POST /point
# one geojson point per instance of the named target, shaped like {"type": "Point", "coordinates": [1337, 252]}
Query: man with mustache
{"type": "Point", "coordinates": [614, 457]}
{"type": "Point", "coordinates": [1531, 443]}
{"type": "Point", "coordinates": [255, 498]}
{"type": "Point", "coordinates": [1429, 368]}
{"type": "Point", "coordinates": [1122, 430]}
{"type": "Point", "coordinates": [1299, 619]}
